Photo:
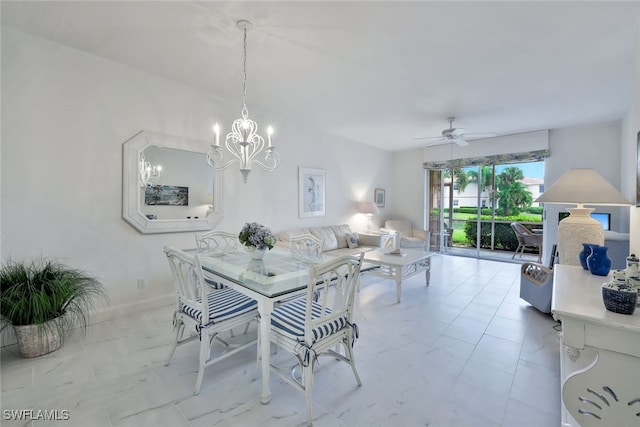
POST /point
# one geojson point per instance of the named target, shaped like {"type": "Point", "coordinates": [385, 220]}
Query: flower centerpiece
{"type": "Point", "coordinates": [256, 238]}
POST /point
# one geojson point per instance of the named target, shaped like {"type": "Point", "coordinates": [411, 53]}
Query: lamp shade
{"type": "Point", "coordinates": [582, 187]}
{"type": "Point", "coordinates": [368, 208]}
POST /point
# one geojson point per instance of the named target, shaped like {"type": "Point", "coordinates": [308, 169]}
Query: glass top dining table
{"type": "Point", "coordinates": [279, 275]}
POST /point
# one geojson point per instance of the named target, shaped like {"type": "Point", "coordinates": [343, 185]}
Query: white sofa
{"type": "Point", "coordinates": [334, 239]}
{"type": "Point", "coordinates": [410, 237]}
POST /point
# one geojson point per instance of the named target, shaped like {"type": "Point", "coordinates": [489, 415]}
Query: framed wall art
{"type": "Point", "coordinates": [379, 197]}
{"type": "Point", "coordinates": [311, 192]}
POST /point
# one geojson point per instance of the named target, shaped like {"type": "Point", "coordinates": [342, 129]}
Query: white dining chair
{"type": "Point", "coordinates": [305, 247]}
{"type": "Point", "coordinates": [203, 311]}
{"type": "Point", "coordinates": [216, 242]}
{"type": "Point", "coordinates": [308, 328]}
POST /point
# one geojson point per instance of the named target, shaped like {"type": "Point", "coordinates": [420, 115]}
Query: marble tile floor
{"type": "Point", "coordinates": [465, 351]}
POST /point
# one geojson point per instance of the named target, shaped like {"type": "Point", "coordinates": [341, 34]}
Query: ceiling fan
{"type": "Point", "coordinates": [456, 135]}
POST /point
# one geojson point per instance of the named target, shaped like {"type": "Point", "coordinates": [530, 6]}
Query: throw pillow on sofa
{"type": "Point", "coordinates": [352, 240]}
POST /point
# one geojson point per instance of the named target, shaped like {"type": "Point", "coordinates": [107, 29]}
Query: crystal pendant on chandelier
{"type": "Point", "coordinates": [243, 142]}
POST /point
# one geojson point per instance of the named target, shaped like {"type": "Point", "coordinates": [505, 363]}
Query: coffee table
{"type": "Point", "coordinates": [397, 268]}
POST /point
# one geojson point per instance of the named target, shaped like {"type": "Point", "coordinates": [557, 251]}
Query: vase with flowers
{"type": "Point", "coordinates": [256, 239]}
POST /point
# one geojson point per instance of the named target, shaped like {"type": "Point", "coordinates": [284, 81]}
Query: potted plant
{"type": "Point", "coordinates": [44, 301]}
{"type": "Point", "coordinates": [256, 239]}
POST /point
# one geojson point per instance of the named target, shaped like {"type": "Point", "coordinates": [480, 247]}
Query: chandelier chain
{"type": "Point", "coordinates": [244, 69]}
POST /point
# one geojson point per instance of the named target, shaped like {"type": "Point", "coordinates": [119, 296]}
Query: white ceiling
{"type": "Point", "coordinates": [377, 72]}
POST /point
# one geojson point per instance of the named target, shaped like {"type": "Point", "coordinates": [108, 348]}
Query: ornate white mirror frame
{"type": "Point", "coordinates": [133, 191]}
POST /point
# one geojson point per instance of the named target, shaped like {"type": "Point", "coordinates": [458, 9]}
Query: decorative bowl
{"type": "Point", "coordinates": [619, 298]}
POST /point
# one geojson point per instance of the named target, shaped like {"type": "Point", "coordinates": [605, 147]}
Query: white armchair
{"type": "Point", "coordinates": [410, 237]}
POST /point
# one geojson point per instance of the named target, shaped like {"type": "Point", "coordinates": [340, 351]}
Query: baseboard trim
{"type": "Point", "coordinates": [108, 313]}
{"type": "Point", "coordinates": [116, 311]}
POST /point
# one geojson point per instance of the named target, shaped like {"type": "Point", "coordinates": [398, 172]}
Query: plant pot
{"type": "Point", "coordinates": [38, 340]}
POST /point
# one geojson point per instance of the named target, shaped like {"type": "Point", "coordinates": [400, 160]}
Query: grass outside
{"type": "Point", "coordinates": [460, 238]}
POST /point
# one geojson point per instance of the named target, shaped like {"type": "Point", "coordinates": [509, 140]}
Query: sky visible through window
{"type": "Point", "coordinates": [529, 170]}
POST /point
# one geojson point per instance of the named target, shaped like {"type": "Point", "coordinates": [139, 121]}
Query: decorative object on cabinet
{"type": "Point", "coordinates": [368, 209]}
{"type": "Point", "coordinates": [44, 301]}
{"type": "Point", "coordinates": [243, 142]}
{"type": "Point", "coordinates": [618, 295]}
{"type": "Point", "coordinates": [311, 192]}
{"type": "Point", "coordinates": [633, 266]}
{"type": "Point", "coordinates": [599, 262]}
{"type": "Point", "coordinates": [379, 197]}
{"type": "Point", "coordinates": [580, 187]}
{"type": "Point", "coordinates": [584, 254]}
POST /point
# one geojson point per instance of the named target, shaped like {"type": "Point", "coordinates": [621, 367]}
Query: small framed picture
{"type": "Point", "coordinates": [378, 197]}
{"type": "Point", "coordinates": [311, 192]}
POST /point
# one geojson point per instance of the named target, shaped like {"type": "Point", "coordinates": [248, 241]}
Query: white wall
{"type": "Point", "coordinates": [631, 159]}
{"type": "Point", "coordinates": [65, 115]}
{"type": "Point", "coordinates": [408, 195]}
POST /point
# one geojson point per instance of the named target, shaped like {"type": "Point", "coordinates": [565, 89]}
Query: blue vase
{"type": "Point", "coordinates": [583, 255]}
{"type": "Point", "coordinates": [599, 262]}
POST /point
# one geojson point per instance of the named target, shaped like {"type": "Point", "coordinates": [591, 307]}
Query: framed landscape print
{"type": "Point", "coordinates": [168, 195]}
{"type": "Point", "coordinates": [378, 197]}
{"type": "Point", "coordinates": [311, 192]}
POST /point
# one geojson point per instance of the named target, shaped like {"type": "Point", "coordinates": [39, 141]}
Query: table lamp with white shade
{"type": "Point", "coordinates": [582, 187]}
{"type": "Point", "coordinates": [369, 209]}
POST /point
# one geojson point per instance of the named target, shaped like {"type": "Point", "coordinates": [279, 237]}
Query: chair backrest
{"type": "Point", "coordinates": [188, 280]}
{"type": "Point", "coordinates": [217, 242]}
{"type": "Point", "coordinates": [306, 247]}
{"type": "Point", "coordinates": [330, 295]}
{"type": "Point", "coordinates": [401, 226]}
{"type": "Point", "coordinates": [520, 229]}
{"type": "Point", "coordinates": [536, 273]}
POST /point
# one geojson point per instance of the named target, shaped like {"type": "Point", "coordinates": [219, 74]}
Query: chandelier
{"type": "Point", "coordinates": [149, 175]}
{"type": "Point", "coordinates": [243, 142]}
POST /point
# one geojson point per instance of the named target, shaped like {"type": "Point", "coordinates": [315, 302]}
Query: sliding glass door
{"type": "Point", "coordinates": [472, 207]}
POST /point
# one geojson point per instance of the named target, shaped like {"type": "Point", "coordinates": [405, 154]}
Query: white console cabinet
{"type": "Point", "coordinates": [599, 353]}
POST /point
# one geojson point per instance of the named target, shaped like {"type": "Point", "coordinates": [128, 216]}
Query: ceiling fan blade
{"type": "Point", "coordinates": [461, 142]}
{"type": "Point", "coordinates": [438, 141]}
{"type": "Point", "coordinates": [428, 137]}
{"type": "Point", "coordinates": [458, 132]}
{"type": "Point", "coordinates": [480, 135]}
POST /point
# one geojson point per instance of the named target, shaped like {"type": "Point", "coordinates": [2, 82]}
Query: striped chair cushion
{"type": "Point", "coordinates": [211, 282]}
{"type": "Point", "coordinates": [224, 304]}
{"type": "Point", "coordinates": [288, 319]}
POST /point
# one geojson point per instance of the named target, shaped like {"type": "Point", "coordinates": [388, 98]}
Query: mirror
{"type": "Point", "coordinates": [167, 185]}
